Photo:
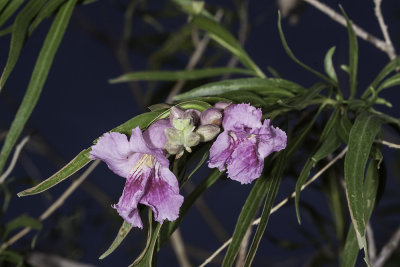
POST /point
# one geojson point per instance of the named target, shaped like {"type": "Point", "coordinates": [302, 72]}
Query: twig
{"type": "Point", "coordinates": [389, 144]}
{"type": "Point", "coordinates": [388, 249]}
{"type": "Point", "coordinates": [179, 248]}
{"type": "Point", "coordinates": [371, 243]}
{"type": "Point", "coordinates": [283, 202]}
{"type": "Point", "coordinates": [194, 59]}
{"type": "Point", "coordinates": [378, 13]}
{"type": "Point", "coordinates": [378, 43]}
{"type": "Point", "coordinates": [53, 207]}
{"type": "Point", "coordinates": [243, 248]}
{"type": "Point", "coordinates": [17, 151]}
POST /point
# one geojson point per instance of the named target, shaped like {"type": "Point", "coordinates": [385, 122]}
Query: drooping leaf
{"type": "Point", "coordinates": [294, 58]}
{"type": "Point", "coordinates": [38, 77]}
{"type": "Point", "coordinates": [361, 137]}
{"type": "Point", "coordinates": [9, 10]}
{"type": "Point", "coordinates": [274, 182]}
{"type": "Point", "coordinates": [258, 85]}
{"type": "Point", "coordinates": [353, 55]}
{"type": "Point", "coordinates": [20, 26]}
{"type": "Point", "coordinates": [147, 260]}
{"type": "Point", "coordinates": [178, 75]}
{"type": "Point", "coordinates": [328, 65]}
{"type": "Point", "coordinates": [223, 37]}
{"type": "Point", "coordinates": [122, 233]}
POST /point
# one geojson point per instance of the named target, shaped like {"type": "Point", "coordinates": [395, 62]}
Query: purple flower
{"type": "Point", "coordinates": [148, 179]}
{"type": "Point", "coordinates": [244, 143]}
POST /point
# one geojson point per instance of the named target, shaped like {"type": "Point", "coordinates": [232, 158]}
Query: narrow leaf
{"type": "Point", "coordinates": [21, 24]}
{"type": "Point", "coordinates": [390, 82]}
{"type": "Point", "coordinates": [9, 10]}
{"type": "Point", "coordinates": [38, 78]}
{"type": "Point", "coordinates": [353, 55]}
{"type": "Point", "coordinates": [147, 260]}
{"type": "Point", "coordinates": [328, 65]}
{"type": "Point", "coordinates": [22, 221]}
{"type": "Point", "coordinates": [294, 58]}
{"type": "Point", "coordinates": [178, 75]}
{"type": "Point", "coordinates": [2, 5]}
{"type": "Point", "coordinates": [390, 67]}
{"type": "Point", "coordinates": [274, 182]}
{"type": "Point", "coordinates": [122, 233]}
{"type": "Point", "coordinates": [257, 85]}
{"type": "Point", "coordinates": [226, 39]}
{"type": "Point", "coordinates": [361, 137]}
{"type": "Point", "coordinates": [48, 9]}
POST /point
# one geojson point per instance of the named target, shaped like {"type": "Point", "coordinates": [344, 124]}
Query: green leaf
{"type": "Point", "coordinates": [21, 24]}
{"type": "Point", "coordinates": [245, 97]}
{"type": "Point", "coordinates": [6, 31]}
{"type": "Point", "coordinates": [178, 75]}
{"type": "Point", "coordinates": [38, 77]}
{"type": "Point", "coordinates": [226, 39]}
{"type": "Point", "coordinates": [249, 210]}
{"type": "Point", "coordinates": [390, 82]}
{"type": "Point", "coordinates": [390, 67]}
{"type": "Point", "coordinates": [328, 65]}
{"type": "Point", "coordinates": [170, 227]}
{"type": "Point", "coordinates": [304, 99]}
{"type": "Point", "coordinates": [344, 126]}
{"type": "Point", "coordinates": [361, 137]}
{"type": "Point", "coordinates": [294, 58]}
{"type": "Point", "coordinates": [48, 9]}
{"type": "Point", "coordinates": [350, 250]}
{"type": "Point", "coordinates": [9, 10]}
{"type": "Point", "coordinates": [147, 259]}
{"type": "Point", "coordinates": [122, 233]}
{"type": "Point", "coordinates": [257, 85]}
{"type": "Point", "coordinates": [353, 55]}
{"type": "Point", "coordinates": [274, 182]}
{"type": "Point", "coordinates": [22, 221]}
{"type": "Point", "coordinates": [72, 167]}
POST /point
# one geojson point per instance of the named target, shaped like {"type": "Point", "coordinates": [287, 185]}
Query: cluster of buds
{"type": "Point", "coordinates": [190, 127]}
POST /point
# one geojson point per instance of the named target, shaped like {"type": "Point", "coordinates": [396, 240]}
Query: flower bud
{"type": "Point", "coordinates": [211, 116]}
{"type": "Point", "coordinates": [221, 105]}
{"type": "Point", "coordinates": [207, 132]}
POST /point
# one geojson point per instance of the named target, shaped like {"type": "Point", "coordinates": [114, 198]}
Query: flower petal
{"type": "Point", "coordinates": [162, 194]}
{"type": "Point", "coordinates": [220, 151]}
{"type": "Point", "coordinates": [270, 139]}
{"type": "Point", "coordinates": [241, 116]}
{"type": "Point", "coordinates": [113, 148]}
{"type": "Point", "coordinates": [154, 135]}
{"type": "Point", "coordinates": [133, 192]}
{"type": "Point", "coordinates": [245, 165]}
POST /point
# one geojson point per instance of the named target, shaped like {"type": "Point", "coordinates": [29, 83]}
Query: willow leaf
{"type": "Point", "coordinates": [9, 10]}
{"type": "Point", "coordinates": [122, 233]}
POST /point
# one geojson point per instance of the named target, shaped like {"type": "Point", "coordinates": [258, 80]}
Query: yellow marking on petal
{"type": "Point", "coordinates": [145, 160]}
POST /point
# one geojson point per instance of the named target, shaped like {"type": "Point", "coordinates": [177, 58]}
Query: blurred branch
{"type": "Point", "coordinates": [17, 151]}
{"type": "Point", "coordinates": [378, 43]}
{"type": "Point", "coordinates": [58, 203]}
{"type": "Point", "coordinates": [386, 143]}
{"type": "Point", "coordinates": [378, 13]}
{"type": "Point", "coordinates": [243, 248]}
{"type": "Point", "coordinates": [388, 249]}
{"type": "Point", "coordinates": [371, 243]}
{"type": "Point", "coordinates": [194, 59]}
{"type": "Point", "coordinates": [283, 202]}
{"type": "Point", "coordinates": [179, 248]}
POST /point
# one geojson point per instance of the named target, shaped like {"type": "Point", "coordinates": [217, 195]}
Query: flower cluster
{"type": "Point", "coordinates": [142, 160]}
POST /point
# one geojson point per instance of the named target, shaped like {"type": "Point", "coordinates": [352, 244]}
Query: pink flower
{"type": "Point", "coordinates": [245, 142]}
{"type": "Point", "coordinates": [146, 169]}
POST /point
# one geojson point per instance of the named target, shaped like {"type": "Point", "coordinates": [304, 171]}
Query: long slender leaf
{"type": "Point", "coordinates": [38, 78]}
{"type": "Point", "coordinates": [122, 233]}
{"type": "Point", "coordinates": [294, 58]}
{"type": "Point", "coordinates": [251, 206]}
{"type": "Point", "coordinates": [353, 55]}
{"type": "Point", "coordinates": [147, 260]}
{"type": "Point", "coordinates": [178, 75]}
{"type": "Point", "coordinates": [328, 65]}
{"type": "Point", "coordinates": [390, 67]}
{"type": "Point", "coordinates": [361, 137]}
{"type": "Point", "coordinates": [48, 9]}
{"type": "Point", "coordinates": [9, 10]}
{"type": "Point", "coordinates": [390, 82]}
{"type": "Point", "coordinates": [274, 182]}
{"type": "Point", "coordinates": [22, 221]}
{"type": "Point", "coordinates": [18, 36]}
{"type": "Point", "coordinates": [257, 85]}
{"type": "Point", "coordinates": [226, 39]}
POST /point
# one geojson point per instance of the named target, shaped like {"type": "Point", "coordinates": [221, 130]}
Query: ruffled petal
{"type": "Point", "coordinates": [154, 135]}
{"type": "Point", "coordinates": [133, 192]}
{"type": "Point", "coordinates": [271, 139]}
{"type": "Point", "coordinates": [220, 151]}
{"type": "Point", "coordinates": [245, 165]}
{"type": "Point", "coordinates": [113, 148]}
{"type": "Point", "coordinates": [241, 117]}
{"type": "Point", "coordinates": [162, 194]}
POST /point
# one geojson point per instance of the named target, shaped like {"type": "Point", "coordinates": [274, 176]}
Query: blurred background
{"type": "Point", "coordinates": [78, 104]}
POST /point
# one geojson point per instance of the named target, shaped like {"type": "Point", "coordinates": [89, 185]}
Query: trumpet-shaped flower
{"type": "Point", "coordinates": [244, 143]}
{"type": "Point", "coordinates": [148, 178]}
